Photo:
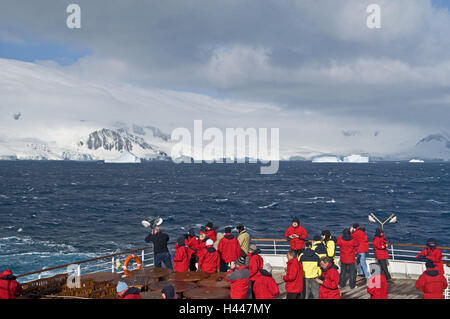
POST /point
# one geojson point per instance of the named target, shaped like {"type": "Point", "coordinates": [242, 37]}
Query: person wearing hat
{"type": "Point", "coordinates": [255, 264]}
{"type": "Point", "coordinates": [160, 249]}
{"type": "Point", "coordinates": [377, 286]}
{"type": "Point", "coordinates": [239, 276]}
{"type": "Point", "coordinates": [229, 249]}
{"type": "Point", "coordinates": [296, 235]}
{"type": "Point", "coordinates": [209, 261]}
{"type": "Point", "coordinates": [265, 287]}
{"type": "Point", "coordinates": [168, 292]}
{"type": "Point", "coordinates": [293, 279]}
{"type": "Point", "coordinates": [348, 246]}
{"type": "Point", "coordinates": [181, 257]}
{"type": "Point", "coordinates": [431, 252]}
{"type": "Point", "coordinates": [210, 232]}
{"type": "Point", "coordinates": [193, 245]}
{"type": "Point", "coordinates": [126, 292]}
{"type": "Point", "coordinates": [380, 245]}
{"type": "Point", "coordinates": [330, 243]}
{"type": "Point", "coordinates": [432, 282]}
{"type": "Point", "coordinates": [362, 250]}
{"type": "Point", "coordinates": [244, 239]}
{"type": "Point", "coordinates": [311, 269]}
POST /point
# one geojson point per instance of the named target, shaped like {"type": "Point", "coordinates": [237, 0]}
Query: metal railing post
{"type": "Point", "coordinates": [392, 251]}
{"type": "Point", "coordinates": [275, 247]}
{"type": "Point", "coordinates": [112, 265]}
{"type": "Point", "coordinates": [143, 258]}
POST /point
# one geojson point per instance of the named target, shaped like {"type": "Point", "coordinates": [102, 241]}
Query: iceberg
{"type": "Point", "coordinates": [416, 161]}
{"type": "Point", "coordinates": [326, 159]}
{"type": "Point", "coordinates": [125, 157]}
{"type": "Point", "coordinates": [356, 159]}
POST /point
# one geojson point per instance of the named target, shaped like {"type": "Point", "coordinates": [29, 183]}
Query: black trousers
{"type": "Point", "coordinates": [292, 296]}
{"type": "Point", "coordinates": [384, 268]}
{"type": "Point", "coordinates": [347, 271]}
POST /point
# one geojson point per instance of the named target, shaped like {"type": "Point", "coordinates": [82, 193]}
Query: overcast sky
{"type": "Point", "coordinates": [314, 64]}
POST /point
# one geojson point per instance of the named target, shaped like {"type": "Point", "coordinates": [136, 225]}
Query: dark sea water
{"type": "Point", "coordinates": [59, 212]}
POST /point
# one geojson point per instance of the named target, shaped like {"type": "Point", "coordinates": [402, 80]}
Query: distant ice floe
{"type": "Point", "coordinates": [125, 157]}
{"type": "Point", "coordinates": [336, 159]}
{"type": "Point", "coordinates": [416, 161]}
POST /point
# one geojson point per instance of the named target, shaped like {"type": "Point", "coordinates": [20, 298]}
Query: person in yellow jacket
{"type": "Point", "coordinates": [330, 244]}
{"type": "Point", "coordinates": [244, 240]}
{"type": "Point", "coordinates": [319, 247]}
{"type": "Point", "coordinates": [311, 270]}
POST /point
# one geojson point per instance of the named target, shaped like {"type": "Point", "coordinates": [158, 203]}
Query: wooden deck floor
{"type": "Point", "coordinates": [398, 289]}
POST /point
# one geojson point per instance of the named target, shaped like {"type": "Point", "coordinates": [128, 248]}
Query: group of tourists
{"type": "Point", "coordinates": [311, 270]}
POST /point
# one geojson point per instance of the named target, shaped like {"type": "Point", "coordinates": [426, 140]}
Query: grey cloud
{"type": "Point", "coordinates": [310, 55]}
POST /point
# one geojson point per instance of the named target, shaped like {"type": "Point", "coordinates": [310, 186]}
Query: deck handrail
{"type": "Point", "coordinates": [84, 261]}
{"type": "Point", "coordinates": [394, 244]}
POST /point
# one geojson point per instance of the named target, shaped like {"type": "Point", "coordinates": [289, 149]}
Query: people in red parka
{"type": "Point", "coordinates": [209, 262]}
{"type": "Point", "coordinates": [377, 286]}
{"type": "Point", "coordinates": [362, 250]}
{"type": "Point", "coordinates": [381, 253]}
{"type": "Point", "coordinates": [329, 280]}
{"type": "Point", "coordinates": [347, 254]}
{"type": "Point", "coordinates": [126, 292]}
{"type": "Point", "coordinates": [239, 276]}
{"type": "Point", "coordinates": [293, 280]}
{"type": "Point", "coordinates": [296, 234]}
{"type": "Point", "coordinates": [265, 287]}
{"type": "Point", "coordinates": [255, 264]}
{"type": "Point", "coordinates": [431, 282]}
{"type": "Point", "coordinates": [192, 243]}
{"type": "Point", "coordinates": [210, 232]}
{"type": "Point", "coordinates": [9, 287]}
{"type": "Point", "coordinates": [229, 249]}
{"type": "Point", "coordinates": [432, 253]}
{"type": "Point", "coordinates": [181, 257]}
{"type": "Point", "coordinates": [201, 250]}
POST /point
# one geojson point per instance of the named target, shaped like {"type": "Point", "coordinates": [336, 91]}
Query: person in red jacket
{"type": "Point", "coordinates": [201, 250]}
{"type": "Point", "coordinates": [255, 264]}
{"type": "Point", "coordinates": [348, 246]}
{"type": "Point", "coordinates": [329, 280]}
{"type": "Point", "coordinates": [432, 253]}
{"type": "Point", "coordinates": [265, 287]}
{"type": "Point", "coordinates": [9, 287]}
{"type": "Point", "coordinates": [229, 249]}
{"type": "Point", "coordinates": [125, 292]}
{"type": "Point", "coordinates": [210, 232]}
{"type": "Point", "coordinates": [192, 243]}
{"type": "Point", "coordinates": [296, 234]}
{"type": "Point", "coordinates": [239, 276]}
{"type": "Point", "coordinates": [209, 262]}
{"type": "Point", "coordinates": [362, 250]}
{"type": "Point", "coordinates": [432, 282]}
{"type": "Point", "coordinates": [377, 286]}
{"type": "Point", "coordinates": [381, 254]}
{"type": "Point", "coordinates": [293, 279]}
{"type": "Point", "coordinates": [181, 257]}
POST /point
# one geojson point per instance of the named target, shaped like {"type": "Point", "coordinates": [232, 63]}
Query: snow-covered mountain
{"type": "Point", "coordinates": [104, 144]}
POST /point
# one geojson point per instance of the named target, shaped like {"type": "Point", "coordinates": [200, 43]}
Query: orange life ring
{"type": "Point", "coordinates": [127, 260]}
